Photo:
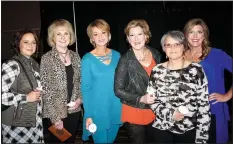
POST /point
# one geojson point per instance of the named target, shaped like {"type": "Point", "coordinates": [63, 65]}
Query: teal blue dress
{"type": "Point", "coordinates": [97, 88]}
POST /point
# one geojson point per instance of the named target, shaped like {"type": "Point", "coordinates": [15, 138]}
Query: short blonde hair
{"type": "Point", "coordinates": [60, 23]}
{"type": "Point", "coordinates": [141, 23]}
{"type": "Point", "coordinates": [100, 24]}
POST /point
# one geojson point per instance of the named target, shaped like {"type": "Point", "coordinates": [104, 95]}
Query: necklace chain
{"type": "Point", "coordinates": [144, 56]}
{"type": "Point", "coordinates": [64, 57]}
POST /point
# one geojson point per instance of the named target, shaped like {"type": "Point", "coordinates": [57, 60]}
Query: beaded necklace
{"type": "Point", "coordinates": [106, 57]}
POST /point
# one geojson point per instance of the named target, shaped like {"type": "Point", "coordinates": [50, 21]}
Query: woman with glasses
{"type": "Point", "coordinates": [180, 90]}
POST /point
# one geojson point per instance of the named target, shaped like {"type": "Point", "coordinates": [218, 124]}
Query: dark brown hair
{"type": "Point", "coordinates": [18, 37]}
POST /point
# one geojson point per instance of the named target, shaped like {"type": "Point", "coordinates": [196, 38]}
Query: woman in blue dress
{"type": "Point", "coordinates": [101, 106]}
{"type": "Point", "coordinates": [214, 62]}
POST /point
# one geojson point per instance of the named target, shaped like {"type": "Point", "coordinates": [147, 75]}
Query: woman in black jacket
{"type": "Point", "coordinates": [131, 80]}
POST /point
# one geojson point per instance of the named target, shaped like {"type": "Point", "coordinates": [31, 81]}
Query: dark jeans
{"type": "Point", "coordinates": [165, 136]}
{"type": "Point", "coordinates": [140, 133]}
{"type": "Point", "coordinates": [70, 123]}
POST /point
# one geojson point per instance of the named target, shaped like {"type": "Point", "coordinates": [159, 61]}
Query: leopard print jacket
{"type": "Point", "coordinates": [54, 83]}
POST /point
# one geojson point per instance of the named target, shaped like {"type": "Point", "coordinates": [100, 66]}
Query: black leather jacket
{"type": "Point", "coordinates": [131, 79]}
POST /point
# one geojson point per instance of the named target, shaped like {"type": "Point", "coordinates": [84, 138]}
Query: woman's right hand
{"type": "Point", "coordinates": [88, 122]}
{"type": "Point", "coordinates": [33, 96]}
{"type": "Point", "coordinates": [177, 116]}
{"type": "Point", "coordinates": [147, 99]}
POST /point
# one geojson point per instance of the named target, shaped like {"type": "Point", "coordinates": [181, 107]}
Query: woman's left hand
{"type": "Point", "coordinates": [59, 124]}
{"type": "Point", "coordinates": [77, 104]}
{"type": "Point", "coordinates": [218, 97]}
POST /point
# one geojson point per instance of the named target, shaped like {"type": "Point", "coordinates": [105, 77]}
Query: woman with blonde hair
{"type": "Point", "coordinates": [101, 106]}
{"type": "Point", "coordinates": [131, 80]}
{"type": "Point", "coordinates": [214, 62]}
{"type": "Point", "coordinates": [60, 79]}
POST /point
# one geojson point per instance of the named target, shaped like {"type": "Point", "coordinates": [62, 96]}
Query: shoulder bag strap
{"type": "Point", "coordinates": [24, 71]}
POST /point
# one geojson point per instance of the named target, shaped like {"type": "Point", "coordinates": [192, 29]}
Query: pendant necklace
{"type": "Point", "coordinates": [64, 57]}
{"type": "Point", "coordinates": [144, 56]}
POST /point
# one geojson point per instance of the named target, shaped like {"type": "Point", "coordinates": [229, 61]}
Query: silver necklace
{"type": "Point", "coordinates": [144, 56]}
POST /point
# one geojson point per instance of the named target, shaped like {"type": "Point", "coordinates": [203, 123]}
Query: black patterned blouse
{"type": "Point", "coordinates": [173, 88]}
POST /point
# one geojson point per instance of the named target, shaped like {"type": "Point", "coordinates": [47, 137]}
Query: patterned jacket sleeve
{"type": "Point", "coordinates": [46, 79]}
{"type": "Point", "coordinates": [158, 107]}
{"type": "Point", "coordinates": [10, 71]}
{"type": "Point", "coordinates": [203, 114]}
{"type": "Point", "coordinates": [77, 82]}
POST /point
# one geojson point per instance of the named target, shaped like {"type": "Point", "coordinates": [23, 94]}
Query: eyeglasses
{"type": "Point", "coordinates": [175, 45]}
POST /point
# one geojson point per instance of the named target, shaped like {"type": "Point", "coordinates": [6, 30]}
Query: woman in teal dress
{"type": "Point", "coordinates": [101, 106]}
{"type": "Point", "coordinates": [214, 61]}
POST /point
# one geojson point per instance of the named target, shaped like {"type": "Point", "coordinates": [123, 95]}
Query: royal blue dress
{"type": "Point", "coordinates": [214, 65]}
{"type": "Point", "coordinates": [99, 100]}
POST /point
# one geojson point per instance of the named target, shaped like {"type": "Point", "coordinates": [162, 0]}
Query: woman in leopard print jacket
{"type": "Point", "coordinates": [60, 78]}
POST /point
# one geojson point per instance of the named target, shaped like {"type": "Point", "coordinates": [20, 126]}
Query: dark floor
{"type": "Point", "coordinates": [123, 138]}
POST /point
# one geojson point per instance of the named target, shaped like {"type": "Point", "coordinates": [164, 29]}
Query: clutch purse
{"type": "Point", "coordinates": [61, 134]}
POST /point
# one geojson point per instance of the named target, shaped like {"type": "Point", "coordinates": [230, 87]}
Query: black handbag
{"type": "Point", "coordinates": [24, 115]}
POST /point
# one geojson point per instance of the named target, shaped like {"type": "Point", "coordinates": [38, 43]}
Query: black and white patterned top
{"type": "Point", "coordinates": [11, 134]}
{"type": "Point", "coordinates": [173, 88]}
{"type": "Point", "coordinates": [10, 71]}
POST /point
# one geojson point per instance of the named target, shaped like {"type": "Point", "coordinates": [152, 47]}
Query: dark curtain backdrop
{"type": "Point", "coordinates": [51, 11]}
{"type": "Point", "coordinates": [161, 17]}
{"type": "Point", "coordinates": [15, 16]}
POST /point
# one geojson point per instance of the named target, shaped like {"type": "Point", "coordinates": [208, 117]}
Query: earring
{"type": "Point", "coordinates": [166, 56]}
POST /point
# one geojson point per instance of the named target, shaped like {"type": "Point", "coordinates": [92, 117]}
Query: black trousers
{"type": "Point", "coordinates": [212, 130]}
{"type": "Point", "coordinates": [166, 137]}
{"type": "Point", "coordinates": [140, 133]}
{"type": "Point", "coordinates": [70, 123]}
